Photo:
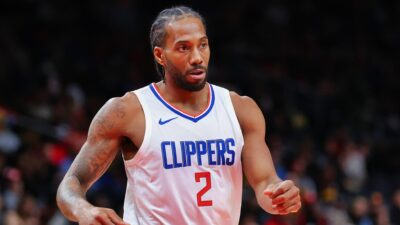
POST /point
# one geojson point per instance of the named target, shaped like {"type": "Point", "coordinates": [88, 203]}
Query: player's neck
{"type": "Point", "coordinates": [182, 97]}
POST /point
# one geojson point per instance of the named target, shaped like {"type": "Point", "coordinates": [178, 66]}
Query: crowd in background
{"type": "Point", "coordinates": [325, 74]}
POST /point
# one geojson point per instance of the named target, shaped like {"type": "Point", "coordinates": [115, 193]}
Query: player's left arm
{"type": "Point", "coordinates": [273, 195]}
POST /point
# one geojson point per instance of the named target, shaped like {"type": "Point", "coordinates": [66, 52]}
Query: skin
{"type": "Point", "coordinates": [119, 126]}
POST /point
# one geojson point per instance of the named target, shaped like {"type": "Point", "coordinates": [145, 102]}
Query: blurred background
{"type": "Point", "coordinates": [325, 74]}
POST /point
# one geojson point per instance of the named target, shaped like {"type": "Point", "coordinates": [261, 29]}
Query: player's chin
{"type": "Point", "coordinates": [196, 85]}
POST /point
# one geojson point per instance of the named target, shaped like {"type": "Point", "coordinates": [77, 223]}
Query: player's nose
{"type": "Point", "coordinates": [195, 57]}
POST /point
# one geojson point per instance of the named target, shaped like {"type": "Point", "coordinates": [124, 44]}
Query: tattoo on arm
{"type": "Point", "coordinates": [101, 146]}
{"type": "Point", "coordinates": [94, 158]}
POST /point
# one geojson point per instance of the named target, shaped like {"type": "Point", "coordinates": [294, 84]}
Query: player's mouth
{"type": "Point", "coordinates": [197, 74]}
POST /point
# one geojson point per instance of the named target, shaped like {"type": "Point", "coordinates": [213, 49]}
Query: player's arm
{"type": "Point", "coordinates": [92, 161]}
{"type": "Point", "coordinates": [273, 195]}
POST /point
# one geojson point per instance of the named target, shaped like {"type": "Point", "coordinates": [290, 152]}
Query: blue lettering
{"type": "Point", "coordinates": [221, 152]}
{"type": "Point", "coordinates": [164, 154]}
{"type": "Point", "coordinates": [174, 158]}
{"type": "Point", "coordinates": [230, 142]}
{"type": "Point", "coordinates": [183, 153]}
{"type": "Point", "coordinates": [190, 149]}
{"type": "Point", "coordinates": [201, 148]}
{"type": "Point", "coordinates": [211, 152]}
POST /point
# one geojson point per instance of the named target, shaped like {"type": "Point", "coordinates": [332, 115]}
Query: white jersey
{"type": "Point", "coordinates": [188, 169]}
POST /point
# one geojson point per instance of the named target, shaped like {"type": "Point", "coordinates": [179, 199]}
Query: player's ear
{"type": "Point", "coordinates": [159, 55]}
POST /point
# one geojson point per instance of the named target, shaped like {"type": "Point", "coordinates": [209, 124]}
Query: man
{"type": "Point", "coordinates": [183, 142]}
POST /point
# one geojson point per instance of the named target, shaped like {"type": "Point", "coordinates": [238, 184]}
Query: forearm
{"type": "Point", "coordinates": [71, 198]}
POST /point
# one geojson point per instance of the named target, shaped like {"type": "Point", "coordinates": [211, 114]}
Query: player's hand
{"type": "Point", "coordinates": [99, 216]}
{"type": "Point", "coordinates": [285, 197]}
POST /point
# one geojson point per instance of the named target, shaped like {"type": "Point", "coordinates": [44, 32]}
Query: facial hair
{"type": "Point", "coordinates": [178, 78]}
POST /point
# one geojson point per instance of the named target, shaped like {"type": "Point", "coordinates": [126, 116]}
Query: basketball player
{"type": "Point", "coordinates": [185, 143]}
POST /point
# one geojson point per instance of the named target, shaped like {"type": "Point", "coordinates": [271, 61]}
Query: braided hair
{"type": "Point", "coordinates": [158, 32]}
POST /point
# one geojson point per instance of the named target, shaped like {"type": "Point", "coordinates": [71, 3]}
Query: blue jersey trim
{"type": "Point", "coordinates": [193, 119]}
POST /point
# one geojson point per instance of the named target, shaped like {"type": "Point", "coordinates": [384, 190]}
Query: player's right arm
{"type": "Point", "coordinates": [94, 158]}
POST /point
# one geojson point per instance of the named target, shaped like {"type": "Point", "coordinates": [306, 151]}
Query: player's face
{"type": "Point", "coordinates": [186, 54]}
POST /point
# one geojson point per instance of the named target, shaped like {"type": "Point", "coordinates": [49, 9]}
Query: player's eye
{"type": "Point", "coordinates": [203, 45]}
{"type": "Point", "coordinates": [183, 48]}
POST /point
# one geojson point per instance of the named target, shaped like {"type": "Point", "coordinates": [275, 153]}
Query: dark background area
{"type": "Point", "coordinates": [324, 73]}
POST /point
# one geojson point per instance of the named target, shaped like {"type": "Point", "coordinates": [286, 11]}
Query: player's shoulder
{"type": "Point", "coordinates": [237, 100]}
{"type": "Point", "coordinates": [241, 101]}
{"type": "Point", "coordinates": [128, 99]}
{"type": "Point", "coordinates": [121, 105]}
{"type": "Point", "coordinates": [246, 109]}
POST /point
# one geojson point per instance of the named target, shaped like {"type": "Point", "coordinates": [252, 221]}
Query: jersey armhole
{"type": "Point", "coordinates": [147, 130]}
{"type": "Point", "coordinates": [235, 120]}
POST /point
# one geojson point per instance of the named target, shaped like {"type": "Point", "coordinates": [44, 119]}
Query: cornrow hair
{"type": "Point", "coordinates": [158, 32]}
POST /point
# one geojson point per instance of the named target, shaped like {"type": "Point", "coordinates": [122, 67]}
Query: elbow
{"type": "Point", "coordinates": [59, 199]}
{"type": "Point", "coordinates": [63, 200]}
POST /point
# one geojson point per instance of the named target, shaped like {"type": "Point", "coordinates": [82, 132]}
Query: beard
{"type": "Point", "coordinates": [178, 78]}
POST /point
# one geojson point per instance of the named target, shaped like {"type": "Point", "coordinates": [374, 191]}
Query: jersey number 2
{"type": "Point", "coordinates": [207, 176]}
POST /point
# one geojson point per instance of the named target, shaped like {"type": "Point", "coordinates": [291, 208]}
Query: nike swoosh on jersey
{"type": "Point", "coordinates": [161, 122]}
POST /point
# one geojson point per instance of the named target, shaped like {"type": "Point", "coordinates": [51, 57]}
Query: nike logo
{"type": "Point", "coordinates": [161, 122]}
